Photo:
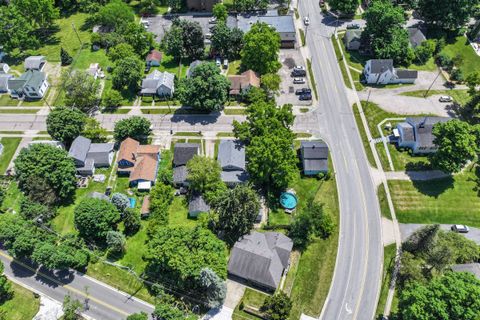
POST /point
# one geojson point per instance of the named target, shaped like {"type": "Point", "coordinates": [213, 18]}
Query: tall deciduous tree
{"type": "Point", "coordinates": [161, 197]}
{"type": "Point", "coordinates": [456, 143]}
{"type": "Point", "coordinates": [214, 288]}
{"type": "Point", "coordinates": [135, 35]}
{"type": "Point", "coordinates": [205, 90]}
{"type": "Point", "coordinates": [94, 131]}
{"type": "Point", "coordinates": [204, 176]}
{"type": "Point", "coordinates": [347, 7]}
{"type": "Point", "coordinates": [227, 42]}
{"type": "Point", "coordinates": [184, 40]}
{"type": "Point", "coordinates": [71, 308]}
{"type": "Point", "coordinates": [5, 286]}
{"type": "Point", "coordinates": [94, 218]}
{"type": "Point", "coordinates": [237, 210]}
{"type": "Point", "coordinates": [135, 127]}
{"type": "Point", "coordinates": [448, 14]}
{"type": "Point", "coordinates": [16, 32]}
{"type": "Point", "coordinates": [82, 90]}
{"type": "Point", "coordinates": [40, 13]}
{"type": "Point", "coordinates": [53, 165]}
{"type": "Point", "coordinates": [220, 12]}
{"type": "Point", "coordinates": [127, 73]}
{"type": "Point", "coordinates": [261, 48]}
{"type": "Point", "coordinates": [115, 14]}
{"type": "Point", "coordinates": [65, 124]}
{"type": "Point", "coordinates": [277, 307]}
{"type": "Point", "coordinates": [120, 51]}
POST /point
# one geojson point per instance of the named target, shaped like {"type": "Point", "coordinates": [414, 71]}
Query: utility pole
{"type": "Point", "coordinates": [431, 85]}
{"type": "Point", "coordinates": [76, 32]}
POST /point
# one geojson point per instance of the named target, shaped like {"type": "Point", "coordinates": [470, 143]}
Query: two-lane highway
{"type": "Point", "coordinates": [356, 283]}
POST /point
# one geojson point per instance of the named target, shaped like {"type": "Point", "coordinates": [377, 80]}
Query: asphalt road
{"type": "Point", "coordinates": [99, 300]}
{"type": "Point", "coordinates": [356, 283]}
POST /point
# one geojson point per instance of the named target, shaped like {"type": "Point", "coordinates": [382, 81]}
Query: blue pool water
{"type": "Point", "coordinates": [133, 201]}
{"type": "Point", "coordinates": [288, 200]}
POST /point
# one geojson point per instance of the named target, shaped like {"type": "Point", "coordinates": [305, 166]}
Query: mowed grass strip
{"type": "Point", "coordinates": [9, 147]}
{"type": "Point", "coordinates": [23, 304]}
{"type": "Point", "coordinates": [450, 200]}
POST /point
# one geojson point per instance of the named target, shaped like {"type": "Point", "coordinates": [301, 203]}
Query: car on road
{"type": "Point", "coordinates": [299, 80]}
{"type": "Point", "coordinates": [305, 97]}
{"type": "Point", "coordinates": [306, 21]}
{"type": "Point", "coordinates": [460, 228]}
{"type": "Point", "coordinates": [301, 91]}
{"type": "Point", "coordinates": [353, 26]}
{"type": "Point", "coordinates": [212, 20]}
{"type": "Point", "coordinates": [298, 73]}
{"type": "Point", "coordinates": [445, 99]}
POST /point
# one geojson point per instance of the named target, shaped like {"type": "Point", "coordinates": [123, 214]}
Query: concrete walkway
{"type": "Point", "coordinates": [406, 229]}
{"type": "Point", "coordinates": [416, 175]}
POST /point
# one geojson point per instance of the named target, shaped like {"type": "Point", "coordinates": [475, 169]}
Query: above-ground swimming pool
{"type": "Point", "coordinates": [288, 200]}
{"type": "Point", "coordinates": [133, 201]}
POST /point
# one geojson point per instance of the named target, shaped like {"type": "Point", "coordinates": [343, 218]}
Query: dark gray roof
{"type": "Point", "coordinates": [415, 36]}
{"type": "Point", "coordinates": [261, 258]}
{"type": "Point", "coordinates": [100, 152]}
{"type": "Point", "coordinates": [183, 152]}
{"type": "Point", "coordinates": [468, 267]}
{"type": "Point", "coordinates": [381, 65]}
{"type": "Point", "coordinates": [236, 176]}
{"type": "Point", "coordinates": [79, 148]}
{"type": "Point", "coordinates": [351, 35]}
{"type": "Point", "coordinates": [315, 165]}
{"type": "Point", "coordinates": [179, 174]}
{"type": "Point", "coordinates": [197, 204]}
{"type": "Point", "coordinates": [423, 129]}
{"type": "Point", "coordinates": [407, 129]}
{"type": "Point", "coordinates": [406, 74]}
{"type": "Point", "coordinates": [231, 154]}
{"type": "Point", "coordinates": [314, 150]}
{"type": "Point", "coordinates": [156, 79]}
{"type": "Point", "coordinates": [88, 168]}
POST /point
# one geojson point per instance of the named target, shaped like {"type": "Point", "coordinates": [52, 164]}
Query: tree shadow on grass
{"type": "Point", "coordinates": [435, 187]}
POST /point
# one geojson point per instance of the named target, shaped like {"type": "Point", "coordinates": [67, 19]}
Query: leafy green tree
{"type": "Point", "coordinates": [135, 34]}
{"type": "Point", "coordinates": [277, 307]}
{"type": "Point", "coordinates": [451, 296]}
{"type": "Point", "coordinates": [115, 14]}
{"type": "Point", "coordinates": [59, 256]}
{"type": "Point", "coordinates": [112, 99]}
{"type": "Point", "coordinates": [463, 250]}
{"type": "Point", "coordinates": [121, 51]}
{"type": "Point", "coordinates": [71, 308]}
{"type": "Point", "coordinates": [3, 192]}
{"type": "Point", "coordinates": [32, 210]}
{"type": "Point", "coordinates": [65, 124]}
{"type": "Point", "coordinates": [17, 34]}
{"type": "Point", "coordinates": [178, 254]}
{"type": "Point", "coordinates": [411, 269]}
{"type": "Point", "coordinates": [94, 218]}
{"type": "Point", "coordinates": [203, 175]}
{"type": "Point", "coordinates": [422, 240]}
{"type": "Point", "coordinates": [120, 201]}
{"type": "Point", "coordinates": [456, 143]}
{"type": "Point", "coordinates": [94, 131]}
{"type": "Point", "coordinates": [220, 12]}
{"type": "Point", "coordinates": [116, 241]}
{"type": "Point", "coordinates": [425, 51]}
{"type": "Point", "coordinates": [385, 32]}
{"type": "Point", "coordinates": [166, 311]}
{"type": "Point", "coordinates": [176, 5]}
{"type": "Point", "coordinates": [184, 40]}
{"type": "Point", "coordinates": [82, 90]}
{"type": "Point", "coordinates": [227, 42]}
{"type": "Point", "coordinates": [261, 58]}
{"type": "Point", "coordinates": [127, 73]}
{"type": "Point", "coordinates": [135, 127]}
{"type": "Point", "coordinates": [65, 57]}
{"type": "Point", "coordinates": [449, 15]}
{"type": "Point", "coordinates": [205, 90]}
{"type": "Point", "coordinates": [131, 221]}
{"type": "Point", "coordinates": [40, 13]}
{"type": "Point", "coordinates": [271, 82]}
{"type": "Point", "coordinates": [5, 286]}
{"type": "Point", "coordinates": [347, 7]}
{"type": "Point", "coordinates": [161, 196]}
{"type": "Point", "coordinates": [310, 223]}
{"type": "Point", "coordinates": [214, 288]}
{"type": "Point", "coordinates": [237, 210]}
{"type": "Point", "coordinates": [249, 5]}
{"type": "Point", "coordinates": [138, 316]}
{"type": "Point", "coordinates": [49, 163]}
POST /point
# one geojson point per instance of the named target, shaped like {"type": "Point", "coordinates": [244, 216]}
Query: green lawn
{"type": "Point", "coordinates": [450, 200]}
{"type": "Point", "coordinates": [178, 213]}
{"type": "Point", "coordinates": [341, 64]}
{"type": "Point", "coordinates": [87, 56]}
{"type": "Point", "coordinates": [23, 305]}
{"type": "Point", "coordinates": [9, 147]}
{"type": "Point", "coordinates": [402, 160]}
{"type": "Point", "coordinates": [12, 197]}
{"type": "Point", "coordinates": [363, 136]}
{"type": "Point", "coordinates": [232, 111]}
{"type": "Point", "coordinates": [312, 78]}
{"type": "Point", "coordinates": [6, 101]}
{"type": "Point", "coordinates": [18, 111]}
{"type": "Point", "coordinates": [251, 298]}
{"type": "Point", "coordinates": [234, 67]}
{"type": "Point", "coordinates": [171, 65]}
{"type": "Point", "coordinates": [460, 96]}
{"type": "Point", "coordinates": [461, 47]}
{"type": "Point", "coordinates": [302, 37]}
{"type": "Point", "coordinates": [116, 111]}
{"type": "Point", "coordinates": [187, 134]}
{"type": "Point", "coordinates": [382, 198]}
{"type": "Point", "coordinates": [388, 264]}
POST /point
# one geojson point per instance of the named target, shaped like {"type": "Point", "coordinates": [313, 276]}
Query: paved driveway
{"type": "Point", "coordinates": [407, 229]}
{"type": "Point", "coordinates": [290, 58]}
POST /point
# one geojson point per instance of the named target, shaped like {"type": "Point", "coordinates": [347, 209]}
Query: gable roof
{"type": "Point", "coordinates": [180, 174]}
{"type": "Point", "coordinates": [145, 168]}
{"type": "Point", "coordinates": [352, 34]}
{"type": "Point", "coordinates": [231, 153]}
{"type": "Point", "coordinates": [34, 62]}
{"type": "Point", "coordinates": [381, 65]}
{"type": "Point", "coordinates": [79, 148]}
{"type": "Point", "coordinates": [423, 129]}
{"type": "Point", "coordinates": [468, 267]}
{"type": "Point", "coordinates": [261, 258]}
{"type": "Point", "coordinates": [100, 152]}
{"type": "Point", "coordinates": [154, 55]}
{"type": "Point", "coordinates": [407, 131]}
{"type": "Point", "coordinates": [314, 150]}
{"type": "Point", "coordinates": [415, 36]}
{"type": "Point", "coordinates": [31, 78]}
{"type": "Point", "coordinates": [183, 152]}
{"type": "Point", "coordinates": [242, 81]}
{"type": "Point", "coordinates": [127, 150]}
{"type": "Point", "coordinates": [157, 79]}
{"type": "Point", "coordinates": [197, 204]}
{"type": "Point", "coordinates": [406, 74]}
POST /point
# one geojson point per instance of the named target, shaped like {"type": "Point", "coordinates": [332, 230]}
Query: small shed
{"type": "Point", "coordinates": [352, 39]}
{"type": "Point", "coordinates": [145, 210]}
{"type": "Point", "coordinates": [197, 205]}
{"type": "Point", "coordinates": [154, 58]}
{"type": "Point", "coordinates": [144, 186]}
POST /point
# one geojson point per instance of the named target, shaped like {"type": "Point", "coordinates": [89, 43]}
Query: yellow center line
{"type": "Point", "coordinates": [83, 294]}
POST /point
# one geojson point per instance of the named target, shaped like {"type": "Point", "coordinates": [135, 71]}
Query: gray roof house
{"type": "Point", "coordinates": [473, 268]}
{"type": "Point", "coordinates": [416, 133]}
{"type": "Point", "coordinates": [197, 205]}
{"type": "Point", "coordinates": [261, 258]}
{"type": "Point", "coordinates": [88, 156]}
{"type": "Point", "coordinates": [4, 77]}
{"type": "Point", "coordinates": [284, 25]}
{"type": "Point", "coordinates": [314, 157]}
{"type": "Point", "coordinates": [34, 63]}
{"type": "Point", "coordinates": [32, 84]}
{"type": "Point", "coordinates": [352, 39]}
{"type": "Point", "coordinates": [382, 71]}
{"type": "Point", "coordinates": [182, 153]}
{"type": "Point", "coordinates": [231, 156]}
{"type": "Point", "coordinates": [192, 66]}
{"type": "Point", "coordinates": [416, 37]}
{"type": "Point", "coordinates": [158, 83]}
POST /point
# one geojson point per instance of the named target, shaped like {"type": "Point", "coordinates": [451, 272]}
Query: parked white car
{"type": "Point", "coordinates": [306, 21]}
{"type": "Point", "coordinates": [299, 80]}
{"type": "Point", "coordinates": [445, 99]}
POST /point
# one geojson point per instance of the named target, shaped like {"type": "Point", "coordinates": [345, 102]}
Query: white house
{"type": "Point", "coordinates": [416, 134]}
{"type": "Point", "coordinates": [35, 63]}
{"type": "Point", "coordinates": [158, 83]}
{"type": "Point", "coordinates": [382, 71]}
{"type": "Point", "coordinates": [32, 85]}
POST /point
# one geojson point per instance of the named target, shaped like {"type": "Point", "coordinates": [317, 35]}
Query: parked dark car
{"type": "Point", "coordinates": [460, 228]}
{"type": "Point", "coordinates": [298, 73]}
{"type": "Point", "coordinates": [306, 96]}
{"type": "Point", "coordinates": [108, 191]}
{"type": "Point", "coordinates": [353, 26]}
{"type": "Point", "coordinates": [303, 91]}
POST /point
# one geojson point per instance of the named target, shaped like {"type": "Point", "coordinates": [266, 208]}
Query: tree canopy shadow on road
{"type": "Point", "coordinates": [433, 187]}
{"type": "Point", "coordinates": [54, 278]}
{"type": "Point", "coordinates": [203, 119]}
